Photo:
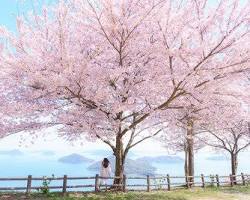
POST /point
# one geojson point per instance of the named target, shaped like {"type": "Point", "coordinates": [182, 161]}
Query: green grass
{"type": "Point", "coordinates": [209, 193]}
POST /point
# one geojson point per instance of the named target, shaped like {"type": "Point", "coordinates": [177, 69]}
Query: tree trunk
{"type": "Point", "coordinates": [234, 165]}
{"type": "Point", "coordinates": [119, 162]}
{"type": "Point", "coordinates": [186, 165]}
{"type": "Point", "coordinates": [190, 150]}
{"type": "Point", "coordinates": [186, 162]}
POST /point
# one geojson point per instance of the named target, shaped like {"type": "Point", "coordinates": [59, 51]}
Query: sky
{"type": "Point", "coordinates": [10, 9]}
{"type": "Point", "coordinates": [8, 13]}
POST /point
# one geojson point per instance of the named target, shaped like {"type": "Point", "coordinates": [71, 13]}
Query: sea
{"type": "Point", "coordinates": [45, 164]}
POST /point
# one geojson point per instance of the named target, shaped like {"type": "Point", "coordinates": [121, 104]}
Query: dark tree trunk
{"type": "Point", "coordinates": [186, 162]}
{"type": "Point", "coordinates": [119, 162]}
{"type": "Point", "coordinates": [190, 151]}
{"type": "Point", "coordinates": [234, 165]}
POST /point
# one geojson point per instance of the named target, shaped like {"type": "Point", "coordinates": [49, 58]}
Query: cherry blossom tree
{"type": "Point", "coordinates": [113, 70]}
{"type": "Point", "coordinates": [232, 140]}
{"type": "Point", "coordinates": [183, 137]}
{"type": "Point", "coordinates": [228, 129]}
{"type": "Point", "coordinates": [86, 69]}
{"type": "Point", "coordinates": [224, 105]}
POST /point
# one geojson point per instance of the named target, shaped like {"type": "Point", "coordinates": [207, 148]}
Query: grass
{"type": "Point", "coordinates": [210, 193]}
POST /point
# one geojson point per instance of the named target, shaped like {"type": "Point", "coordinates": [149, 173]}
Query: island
{"type": "Point", "coordinates": [14, 152]}
{"type": "Point", "coordinates": [75, 159]}
{"type": "Point", "coordinates": [161, 159]}
{"type": "Point", "coordinates": [132, 167]}
{"type": "Point", "coordinates": [217, 158]}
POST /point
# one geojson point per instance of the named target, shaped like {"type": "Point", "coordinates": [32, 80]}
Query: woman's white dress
{"type": "Point", "coordinates": [105, 172]}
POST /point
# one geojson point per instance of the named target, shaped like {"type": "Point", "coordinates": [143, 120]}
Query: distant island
{"type": "Point", "coordinates": [101, 153]}
{"type": "Point", "coordinates": [47, 153]}
{"type": "Point", "coordinates": [217, 158]}
{"type": "Point", "coordinates": [136, 167]}
{"type": "Point", "coordinates": [75, 159]}
{"type": "Point", "coordinates": [161, 159]}
{"type": "Point", "coordinates": [13, 152]}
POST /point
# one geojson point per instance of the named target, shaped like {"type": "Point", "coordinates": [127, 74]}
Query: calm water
{"type": "Point", "coordinates": [37, 166]}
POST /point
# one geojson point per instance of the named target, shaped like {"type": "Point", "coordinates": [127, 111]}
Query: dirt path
{"type": "Point", "coordinates": [242, 197]}
{"type": "Point", "coordinates": [225, 197]}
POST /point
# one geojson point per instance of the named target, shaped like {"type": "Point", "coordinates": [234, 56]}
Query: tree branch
{"type": "Point", "coordinates": [106, 142]}
{"type": "Point", "coordinates": [143, 139]}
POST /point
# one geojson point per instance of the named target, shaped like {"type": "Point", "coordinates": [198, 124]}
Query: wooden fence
{"type": "Point", "coordinates": [147, 183]}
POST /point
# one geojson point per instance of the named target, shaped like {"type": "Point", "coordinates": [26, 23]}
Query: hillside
{"type": "Point", "coordinates": [217, 158]}
{"type": "Point", "coordinates": [14, 152]}
{"type": "Point", "coordinates": [138, 167]}
{"type": "Point", "coordinates": [161, 159]}
{"type": "Point", "coordinates": [75, 159]}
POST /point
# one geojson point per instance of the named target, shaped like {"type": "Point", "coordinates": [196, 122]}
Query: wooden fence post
{"type": "Point", "coordinates": [64, 190]}
{"type": "Point", "coordinates": [217, 180]}
{"type": "Point", "coordinates": [212, 180]}
{"type": "Point", "coordinates": [235, 179]}
{"type": "Point", "coordinates": [28, 189]}
{"type": "Point", "coordinates": [187, 182]}
{"type": "Point", "coordinates": [231, 180]}
{"type": "Point", "coordinates": [148, 183]}
{"type": "Point", "coordinates": [243, 179]}
{"type": "Point", "coordinates": [202, 181]}
{"type": "Point", "coordinates": [96, 182]}
{"type": "Point", "coordinates": [168, 181]}
{"type": "Point", "coordinates": [124, 183]}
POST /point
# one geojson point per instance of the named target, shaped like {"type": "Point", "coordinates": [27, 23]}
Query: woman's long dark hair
{"type": "Point", "coordinates": [105, 163]}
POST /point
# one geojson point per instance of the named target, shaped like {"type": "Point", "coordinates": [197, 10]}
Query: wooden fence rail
{"type": "Point", "coordinates": [149, 183]}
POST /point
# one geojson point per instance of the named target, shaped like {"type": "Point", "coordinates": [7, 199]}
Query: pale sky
{"type": "Point", "coordinates": [53, 143]}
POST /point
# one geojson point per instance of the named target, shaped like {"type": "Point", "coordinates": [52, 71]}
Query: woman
{"type": "Point", "coordinates": [105, 171]}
